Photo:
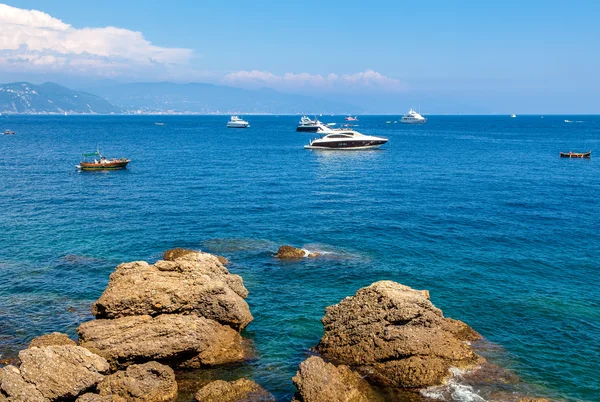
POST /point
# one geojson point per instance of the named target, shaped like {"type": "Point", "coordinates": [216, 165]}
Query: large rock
{"type": "Point", "coordinates": [195, 283]}
{"type": "Point", "coordinates": [396, 336]}
{"type": "Point", "coordinates": [318, 381]}
{"type": "Point", "coordinates": [234, 391]}
{"type": "Point", "coordinates": [186, 341]}
{"type": "Point", "coordinates": [16, 388]}
{"type": "Point", "coordinates": [62, 372]}
{"type": "Point", "coordinates": [290, 253]}
{"type": "Point", "coordinates": [150, 382]}
{"type": "Point", "coordinates": [53, 339]}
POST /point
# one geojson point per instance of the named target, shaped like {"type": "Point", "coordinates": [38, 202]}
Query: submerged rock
{"type": "Point", "coordinates": [53, 339]}
{"type": "Point", "coordinates": [61, 372]}
{"type": "Point", "coordinates": [234, 391]}
{"type": "Point", "coordinates": [293, 253]}
{"type": "Point", "coordinates": [318, 381]}
{"type": "Point", "coordinates": [396, 336]}
{"type": "Point", "coordinates": [186, 341]}
{"type": "Point", "coordinates": [195, 283]}
{"type": "Point", "coordinates": [149, 382]}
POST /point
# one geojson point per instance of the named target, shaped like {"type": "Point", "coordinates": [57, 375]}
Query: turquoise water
{"type": "Point", "coordinates": [479, 210]}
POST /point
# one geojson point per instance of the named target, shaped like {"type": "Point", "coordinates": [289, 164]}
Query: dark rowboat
{"type": "Point", "coordinates": [576, 154]}
{"type": "Point", "coordinates": [102, 163]}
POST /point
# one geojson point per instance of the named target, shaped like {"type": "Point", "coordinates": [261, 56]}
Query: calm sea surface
{"type": "Point", "coordinates": [479, 210]}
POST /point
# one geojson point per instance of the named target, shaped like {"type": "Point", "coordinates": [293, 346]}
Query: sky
{"type": "Point", "coordinates": [509, 56]}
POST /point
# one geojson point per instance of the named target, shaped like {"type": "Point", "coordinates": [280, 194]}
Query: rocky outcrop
{"type": "Point", "coordinates": [52, 373]}
{"type": "Point", "coordinates": [234, 391]}
{"type": "Point", "coordinates": [189, 283]}
{"type": "Point", "coordinates": [185, 341]}
{"type": "Point", "coordinates": [53, 339]}
{"type": "Point", "coordinates": [318, 381]}
{"type": "Point", "coordinates": [149, 382]}
{"type": "Point", "coordinates": [293, 253]}
{"type": "Point", "coordinates": [396, 336]}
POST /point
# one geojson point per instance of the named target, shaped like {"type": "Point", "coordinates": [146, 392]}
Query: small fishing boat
{"type": "Point", "coordinates": [9, 132]}
{"type": "Point", "coordinates": [571, 154]}
{"type": "Point", "coordinates": [102, 163]}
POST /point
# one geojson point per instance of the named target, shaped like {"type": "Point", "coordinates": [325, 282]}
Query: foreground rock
{"type": "Point", "coordinates": [234, 391]}
{"type": "Point", "coordinates": [53, 339]}
{"type": "Point", "coordinates": [150, 382]}
{"type": "Point", "coordinates": [318, 381]}
{"type": "Point", "coordinates": [184, 341]}
{"type": "Point", "coordinates": [396, 336]}
{"type": "Point", "coordinates": [52, 373]}
{"type": "Point", "coordinates": [191, 283]}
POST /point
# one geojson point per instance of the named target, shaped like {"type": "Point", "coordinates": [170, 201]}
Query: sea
{"type": "Point", "coordinates": [479, 210]}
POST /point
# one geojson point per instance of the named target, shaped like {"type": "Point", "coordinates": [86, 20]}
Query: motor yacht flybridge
{"type": "Point", "coordinates": [308, 125]}
{"type": "Point", "coordinates": [236, 122]}
{"type": "Point", "coordinates": [413, 117]}
{"type": "Point", "coordinates": [345, 139]}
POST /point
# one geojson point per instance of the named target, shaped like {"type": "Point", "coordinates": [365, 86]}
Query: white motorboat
{"type": "Point", "coordinates": [413, 117]}
{"type": "Point", "coordinates": [306, 124]}
{"type": "Point", "coordinates": [513, 115]}
{"type": "Point", "coordinates": [345, 140]}
{"type": "Point", "coordinates": [236, 122]}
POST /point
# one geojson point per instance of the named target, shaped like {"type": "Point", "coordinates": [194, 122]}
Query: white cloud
{"type": "Point", "coordinates": [368, 79]}
{"type": "Point", "coordinates": [32, 40]}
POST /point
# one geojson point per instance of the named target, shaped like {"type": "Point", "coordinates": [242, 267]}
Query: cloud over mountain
{"type": "Point", "coordinates": [32, 40]}
{"type": "Point", "coordinates": [368, 79]}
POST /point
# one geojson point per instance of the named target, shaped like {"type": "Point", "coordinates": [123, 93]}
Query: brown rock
{"type": "Point", "coordinates": [223, 260]}
{"type": "Point", "coordinates": [534, 400]}
{"type": "Point", "coordinates": [397, 336]}
{"type": "Point", "coordinates": [16, 388]}
{"type": "Point", "coordinates": [318, 381]}
{"type": "Point", "coordinates": [150, 382]}
{"type": "Point", "coordinates": [53, 339]}
{"type": "Point", "coordinates": [181, 340]}
{"type": "Point", "coordinates": [196, 283]}
{"type": "Point", "coordinates": [61, 372]}
{"type": "Point", "coordinates": [234, 391]}
{"type": "Point", "coordinates": [89, 397]}
{"type": "Point", "coordinates": [175, 253]}
{"type": "Point", "coordinates": [289, 252]}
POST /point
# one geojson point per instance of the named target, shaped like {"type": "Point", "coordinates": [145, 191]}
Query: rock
{"type": "Point", "coordinates": [223, 260]}
{"type": "Point", "coordinates": [318, 381]}
{"type": "Point", "coordinates": [175, 253]}
{"type": "Point", "coordinates": [182, 340]}
{"type": "Point", "coordinates": [62, 372]}
{"type": "Point", "coordinates": [196, 283]}
{"type": "Point", "coordinates": [534, 400]}
{"type": "Point", "coordinates": [53, 339]}
{"type": "Point", "coordinates": [95, 398]}
{"type": "Point", "coordinates": [16, 388]}
{"type": "Point", "coordinates": [289, 252]}
{"type": "Point", "coordinates": [149, 382]}
{"type": "Point", "coordinates": [396, 336]}
{"type": "Point", "coordinates": [234, 391]}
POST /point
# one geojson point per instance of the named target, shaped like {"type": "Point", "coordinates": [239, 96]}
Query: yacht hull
{"type": "Point", "coordinates": [413, 121]}
{"type": "Point", "coordinates": [347, 146]}
{"type": "Point", "coordinates": [236, 125]}
{"type": "Point", "coordinates": [307, 129]}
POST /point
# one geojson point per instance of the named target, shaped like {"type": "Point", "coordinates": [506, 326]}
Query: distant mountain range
{"type": "Point", "coordinates": [23, 97]}
{"type": "Point", "coordinates": [163, 97]}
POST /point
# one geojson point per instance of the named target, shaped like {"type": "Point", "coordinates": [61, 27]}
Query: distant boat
{"type": "Point", "coordinates": [350, 118]}
{"type": "Point", "coordinates": [513, 115]}
{"type": "Point", "coordinates": [158, 123]}
{"type": "Point", "coordinates": [9, 132]}
{"type": "Point", "coordinates": [236, 122]}
{"type": "Point", "coordinates": [101, 163]}
{"type": "Point", "coordinates": [413, 117]}
{"type": "Point", "coordinates": [576, 154]}
{"type": "Point", "coordinates": [65, 113]}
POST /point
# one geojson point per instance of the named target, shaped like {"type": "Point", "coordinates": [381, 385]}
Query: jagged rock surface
{"type": "Point", "coordinates": [53, 339]}
{"type": "Point", "coordinates": [61, 372]}
{"type": "Point", "coordinates": [234, 391]}
{"type": "Point", "coordinates": [193, 283]}
{"type": "Point", "coordinates": [396, 336]}
{"type": "Point", "coordinates": [16, 388]}
{"type": "Point", "coordinates": [186, 341]}
{"type": "Point", "coordinates": [318, 381]}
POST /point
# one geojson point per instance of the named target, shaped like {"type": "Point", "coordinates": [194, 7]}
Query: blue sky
{"type": "Point", "coordinates": [473, 51]}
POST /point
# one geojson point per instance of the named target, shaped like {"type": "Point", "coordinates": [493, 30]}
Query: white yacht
{"type": "Point", "coordinates": [345, 140]}
{"type": "Point", "coordinates": [306, 124]}
{"type": "Point", "coordinates": [236, 122]}
{"type": "Point", "coordinates": [413, 117]}
{"type": "Point", "coordinates": [513, 115]}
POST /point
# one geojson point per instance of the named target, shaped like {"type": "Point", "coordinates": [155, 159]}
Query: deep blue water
{"type": "Point", "coordinates": [480, 210]}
